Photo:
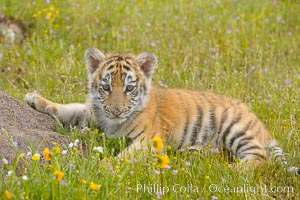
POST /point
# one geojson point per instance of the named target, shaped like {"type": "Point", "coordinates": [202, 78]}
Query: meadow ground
{"type": "Point", "coordinates": [248, 50]}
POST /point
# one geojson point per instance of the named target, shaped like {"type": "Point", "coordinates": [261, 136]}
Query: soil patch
{"type": "Point", "coordinates": [23, 128]}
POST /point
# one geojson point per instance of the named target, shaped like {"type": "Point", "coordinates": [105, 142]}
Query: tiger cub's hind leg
{"type": "Point", "coordinates": [253, 152]}
{"type": "Point", "coordinates": [68, 114]}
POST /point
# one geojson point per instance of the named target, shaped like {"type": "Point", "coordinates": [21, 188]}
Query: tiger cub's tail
{"type": "Point", "coordinates": [277, 153]}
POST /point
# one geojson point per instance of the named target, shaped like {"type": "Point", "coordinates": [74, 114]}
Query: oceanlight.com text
{"type": "Point", "coordinates": [212, 188]}
{"type": "Point", "coordinates": [245, 188]}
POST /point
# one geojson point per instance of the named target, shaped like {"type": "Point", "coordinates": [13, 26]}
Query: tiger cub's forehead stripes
{"type": "Point", "coordinates": [119, 70]}
{"type": "Point", "coordinates": [125, 60]}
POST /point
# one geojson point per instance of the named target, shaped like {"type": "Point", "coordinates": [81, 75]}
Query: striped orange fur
{"type": "Point", "coordinates": [122, 102]}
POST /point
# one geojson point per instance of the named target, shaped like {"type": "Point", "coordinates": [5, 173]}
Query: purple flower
{"type": "Point", "coordinates": [229, 31]}
{"type": "Point", "coordinates": [187, 164]}
{"type": "Point", "coordinates": [159, 194]}
{"type": "Point", "coordinates": [131, 172]}
{"type": "Point", "coordinates": [175, 171]}
{"type": "Point", "coordinates": [152, 44]}
{"type": "Point", "coordinates": [112, 170]}
{"type": "Point", "coordinates": [252, 68]}
{"type": "Point", "coordinates": [133, 160]}
{"type": "Point", "coordinates": [15, 143]}
{"type": "Point", "coordinates": [85, 129]}
{"type": "Point", "coordinates": [156, 172]}
{"type": "Point", "coordinates": [214, 197]}
{"type": "Point", "coordinates": [63, 183]}
{"type": "Point", "coordinates": [72, 166]}
{"type": "Point", "coordinates": [267, 101]}
{"type": "Point", "coordinates": [287, 83]}
{"type": "Point", "coordinates": [214, 50]}
{"type": "Point", "coordinates": [29, 52]}
{"type": "Point", "coordinates": [214, 150]}
{"type": "Point", "coordinates": [28, 156]}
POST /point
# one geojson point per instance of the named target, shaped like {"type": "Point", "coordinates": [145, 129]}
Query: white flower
{"type": "Point", "coordinates": [76, 142]}
{"type": "Point", "coordinates": [9, 173]}
{"type": "Point", "coordinates": [71, 145]}
{"type": "Point", "coordinates": [25, 178]}
{"type": "Point", "coordinates": [99, 149]}
{"type": "Point", "coordinates": [5, 161]}
{"type": "Point", "coordinates": [64, 152]}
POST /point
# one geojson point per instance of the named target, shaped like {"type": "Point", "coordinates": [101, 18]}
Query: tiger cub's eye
{"type": "Point", "coordinates": [106, 88]}
{"type": "Point", "coordinates": [129, 88]}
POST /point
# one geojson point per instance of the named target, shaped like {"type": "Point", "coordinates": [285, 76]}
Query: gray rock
{"type": "Point", "coordinates": [22, 127]}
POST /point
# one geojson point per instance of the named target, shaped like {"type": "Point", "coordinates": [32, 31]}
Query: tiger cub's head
{"type": "Point", "coordinates": [119, 84]}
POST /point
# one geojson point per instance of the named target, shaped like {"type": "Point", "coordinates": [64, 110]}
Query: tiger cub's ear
{"type": "Point", "coordinates": [147, 63]}
{"type": "Point", "coordinates": [93, 57]}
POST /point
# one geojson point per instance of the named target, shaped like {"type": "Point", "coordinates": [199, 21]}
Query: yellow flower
{"type": "Point", "coordinates": [36, 157]}
{"type": "Point", "coordinates": [47, 154]}
{"type": "Point", "coordinates": [8, 194]}
{"type": "Point", "coordinates": [57, 150]}
{"type": "Point", "coordinates": [51, 8]}
{"type": "Point", "coordinates": [163, 161]}
{"type": "Point", "coordinates": [83, 181]}
{"type": "Point", "coordinates": [59, 175]}
{"type": "Point", "coordinates": [22, 155]}
{"type": "Point", "coordinates": [94, 186]}
{"type": "Point", "coordinates": [49, 14]}
{"type": "Point", "coordinates": [157, 143]}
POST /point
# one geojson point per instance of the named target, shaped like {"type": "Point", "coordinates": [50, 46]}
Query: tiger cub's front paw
{"type": "Point", "coordinates": [37, 102]}
{"type": "Point", "coordinates": [31, 99]}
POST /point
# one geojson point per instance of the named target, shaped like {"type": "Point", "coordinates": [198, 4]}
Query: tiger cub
{"type": "Point", "coordinates": [122, 102]}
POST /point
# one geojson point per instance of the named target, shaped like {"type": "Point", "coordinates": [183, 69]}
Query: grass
{"type": "Point", "coordinates": [248, 50]}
